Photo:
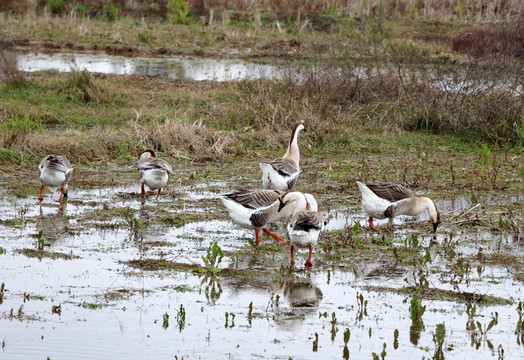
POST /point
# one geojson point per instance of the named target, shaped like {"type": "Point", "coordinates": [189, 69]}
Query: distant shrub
{"type": "Point", "coordinates": [177, 11]}
{"type": "Point", "coordinates": [80, 87]}
{"type": "Point", "coordinates": [498, 41]}
{"type": "Point", "coordinates": [56, 6]}
{"type": "Point", "coordinates": [110, 11]}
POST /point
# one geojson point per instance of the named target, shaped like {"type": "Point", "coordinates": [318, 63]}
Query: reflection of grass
{"type": "Point", "coordinates": [439, 294]}
{"type": "Point", "coordinates": [157, 264]}
{"type": "Point", "coordinates": [45, 254]}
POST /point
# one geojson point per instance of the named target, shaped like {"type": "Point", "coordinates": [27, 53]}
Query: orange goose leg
{"type": "Point", "coordinates": [292, 249]}
{"type": "Point", "coordinates": [61, 194]}
{"type": "Point", "coordinates": [41, 189]}
{"type": "Point", "coordinates": [143, 189]}
{"type": "Point", "coordinates": [274, 236]}
{"type": "Point", "coordinates": [308, 261]}
{"type": "Point", "coordinates": [157, 195]}
{"type": "Point", "coordinates": [257, 237]}
{"type": "Point", "coordinates": [370, 220]}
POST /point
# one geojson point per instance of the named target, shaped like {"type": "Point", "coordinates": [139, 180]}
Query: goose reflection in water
{"type": "Point", "coordinates": [303, 295]}
{"type": "Point", "coordinates": [54, 225]}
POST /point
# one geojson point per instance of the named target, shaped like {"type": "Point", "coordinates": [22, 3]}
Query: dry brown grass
{"type": "Point", "coordinates": [491, 41]}
{"type": "Point", "coordinates": [180, 139]}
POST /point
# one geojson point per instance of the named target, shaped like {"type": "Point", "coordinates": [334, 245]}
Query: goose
{"type": "Point", "coordinates": [282, 173]}
{"type": "Point", "coordinates": [55, 171]}
{"type": "Point", "coordinates": [306, 228]}
{"type": "Point", "coordinates": [385, 200]}
{"type": "Point", "coordinates": [154, 172]}
{"type": "Point", "coordinates": [253, 209]}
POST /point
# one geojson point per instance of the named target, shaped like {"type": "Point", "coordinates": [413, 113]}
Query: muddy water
{"type": "Point", "coordinates": [109, 309]}
{"type": "Point", "coordinates": [173, 67]}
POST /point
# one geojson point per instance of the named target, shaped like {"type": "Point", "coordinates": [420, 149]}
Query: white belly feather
{"type": "Point", "coordinates": [52, 178]}
{"type": "Point", "coordinates": [303, 238]}
{"type": "Point", "coordinates": [271, 179]}
{"type": "Point", "coordinates": [373, 205]}
{"type": "Point", "coordinates": [155, 179]}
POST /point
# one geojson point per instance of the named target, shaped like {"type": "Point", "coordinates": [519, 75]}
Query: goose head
{"type": "Point", "coordinates": [147, 154]}
{"type": "Point", "coordinates": [289, 197]}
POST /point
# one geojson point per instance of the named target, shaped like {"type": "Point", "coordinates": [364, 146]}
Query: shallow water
{"type": "Point", "coordinates": [172, 67]}
{"type": "Point", "coordinates": [109, 309]}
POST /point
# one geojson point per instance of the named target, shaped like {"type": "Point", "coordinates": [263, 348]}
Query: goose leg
{"type": "Point", "coordinates": [157, 195]}
{"type": "Point", "coordinates": [257, 237]}
{"type": "Point", "coordinates": [143, 189]}
{"type": "Point", "coordinates": [41, 190]}
{"type": "Point", "coordinates": [391, 224]}
{"type": "Point", "coordinates": [274, 236]}
{"type": "Point", "coordinates": [308, 261]}
{"type": "Point", "coordinates": [370, 220]}
{"type": "Point", "coordinates": [61, 194]}
{"type": "Point", "coordinates": [292, 250]}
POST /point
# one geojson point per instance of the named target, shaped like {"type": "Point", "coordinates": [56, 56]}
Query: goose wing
{"type": "Point", "coordinates": [390, 192]}
{"type": "Point", "coordinates": [284, 167]}
{"type": "Point", "coordinates": [254, 199]}
{"type": "Point", "coordinates": [56, 162]}
{"type": "Point", "coordinates": [154, 163]}
{"type": "Point", "coordinates": [307, 220]}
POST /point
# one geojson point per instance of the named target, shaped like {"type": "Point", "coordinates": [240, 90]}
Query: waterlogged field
{"type": "Point", "coordinates": [430, 98]}
{"type": "Point", "coordinates": [109, 274]}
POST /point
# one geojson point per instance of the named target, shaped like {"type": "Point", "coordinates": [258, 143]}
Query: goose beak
{"type": "Point", "coordinates": [281, 205]}
{"type": "Point", "coordinates": [435, 225]}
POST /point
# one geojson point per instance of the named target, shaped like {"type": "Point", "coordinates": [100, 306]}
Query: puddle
{"type": "Point", "coordinates": [110, 309]}
{"type": "Point", "coordinates": [172, 67]}
{"type": "Point", "coordinates": [199, 69]}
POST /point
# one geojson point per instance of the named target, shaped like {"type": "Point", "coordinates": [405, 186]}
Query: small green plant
{"type": "Point", "coordinates": [181, 318]}
{"type": "Point", "coordinates": [382, 354]}
{"type": "Point", "coordinates": [395, 339]}
{"type": "Point", "coordinates": [345, 352]}
{"type": "Point", "coordinates": [417, 324]}
{"type": "Point", "coordinates": [213, 257]}
{"type": "Point", "coordinates": [478, 332]}
{"type": "Point", "coordinates": [40, 241]}
{"type": "Point", "coordinates": [177, 11]}
{"type": "Point", "coordinates": [362, 307]}
{"type": "Point", "coordinates": [56, 309]}
{"type": "Point", "coordinates": [519, 331]}
{"type": "Point", "coordinates": [145, 37]}
{"type": "Point", "coordinates": [334, 328]}
{"type": "Point", "coordinates": [165, 322]}
{"type": "Point", "coordinates": [438, 339]}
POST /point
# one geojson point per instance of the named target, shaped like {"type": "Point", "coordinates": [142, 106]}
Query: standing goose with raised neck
{"type": "Point", "coordinates": [282, 173]}
{"type": "Point", "coordinates": [254, 209]}
{"type": "Point", "coordinates": [154, 172]}
{"type": "Point", "coordinates": [306, 228]}
{"type": "Point", "coordinates": [55, 171]}
{"type": "Point", "coordinates": [385, 200]}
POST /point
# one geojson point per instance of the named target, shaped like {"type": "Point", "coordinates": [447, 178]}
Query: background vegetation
{"type": "Point", "coordinates": [369, 75]}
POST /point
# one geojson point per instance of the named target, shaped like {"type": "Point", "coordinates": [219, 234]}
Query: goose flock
{"type": "Point", "coordinates": [277, 200]}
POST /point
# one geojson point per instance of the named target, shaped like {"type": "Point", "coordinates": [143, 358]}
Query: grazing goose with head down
{"type": "Point", "coordinates": [390, 200]}
{"type": "Point", "coordinates": [282, 173]}
{"type": "Point", "coordinates": [253, 209]}
{"type": "Point", "coordinates": [306, 228]}
{"type": "Point", "coordinates": [154, 172]}
{"type": "Point", "coordinates": [55, 171]}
